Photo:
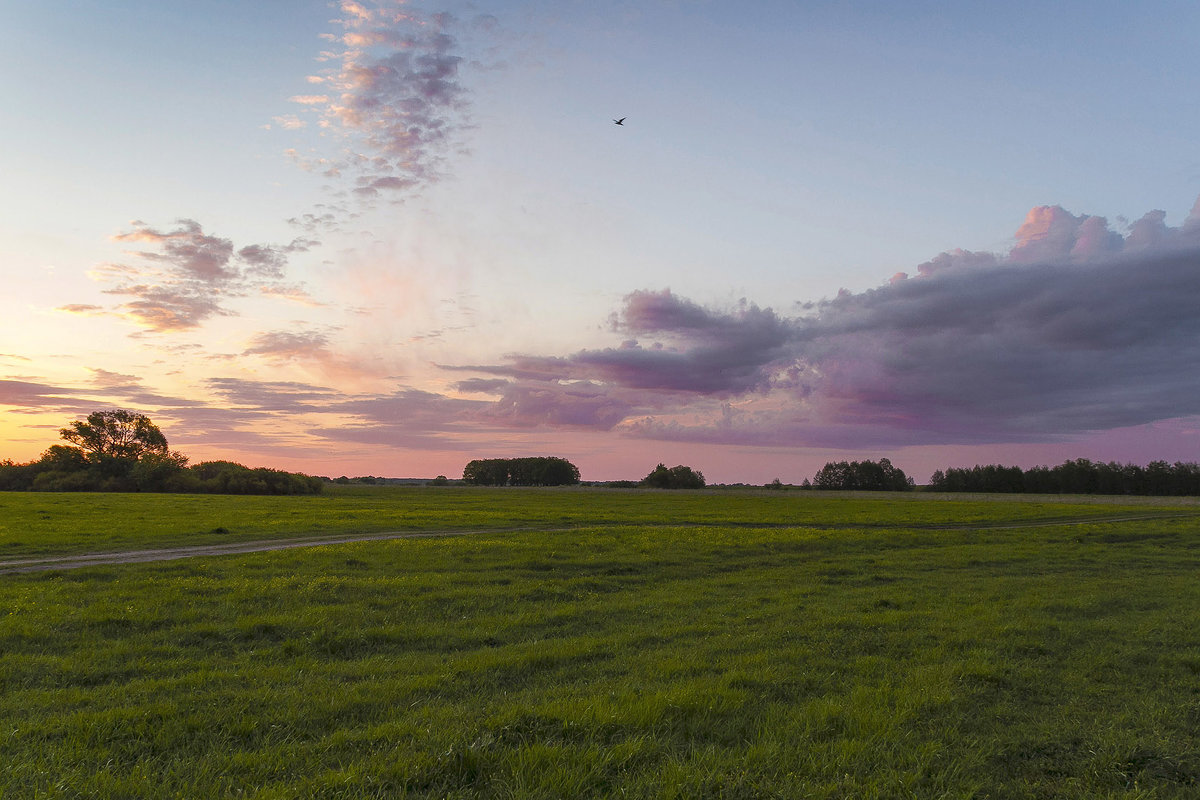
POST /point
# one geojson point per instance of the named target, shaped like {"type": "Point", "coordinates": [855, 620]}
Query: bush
{"type": "Point", "coordinates": [229, 477]}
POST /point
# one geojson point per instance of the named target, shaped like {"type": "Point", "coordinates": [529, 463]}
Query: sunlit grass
{"type": "Point", "coordinates": [621, 660]}
{"type": "Point", "coordinates": [59, 523]}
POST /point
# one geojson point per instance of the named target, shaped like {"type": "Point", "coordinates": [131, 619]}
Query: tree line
{"type": "Point", "coordinates": [1079, 476]}
{"type": "Point", "coordinates": [875, 476]}
{"type": "Point", "coordinates": [531, 471]}
{"type": "Point", "coordinates": [122, 451]}
{"type": "Point", "coordinates": [555, 471]}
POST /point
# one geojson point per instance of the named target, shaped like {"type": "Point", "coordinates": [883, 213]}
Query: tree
{"type": "Point", "coordinates": [116, 434]}
{"type": "Point", "coordinates": [120, 451]}
{"type": "Point", "coordinates": [486, 472]}
{"type": "Point", "coordinates": [531, 471]}
{"type": "Point", "coordinates": [864, 475]}
{"type": "Point", "coordinates": [677, 477]}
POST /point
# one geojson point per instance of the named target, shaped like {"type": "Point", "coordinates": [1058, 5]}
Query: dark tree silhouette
{"type": "Point", "coordinates": [533, 471]}
{"type": "Point", "coordinates": [677, 477]}
{"type": "Point", "coordinates": [121, 451]}
{"type": "Point", "coordinates": [116, 434]}
{"type": "Point", "coordinates": [879, 476]}
{"type": "Point", "coordinates": [1079, 476]}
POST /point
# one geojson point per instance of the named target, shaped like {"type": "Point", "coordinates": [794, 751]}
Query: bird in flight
{"type": "Point", "coordinates": [620, 121]}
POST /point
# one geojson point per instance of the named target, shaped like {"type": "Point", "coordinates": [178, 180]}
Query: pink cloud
{"type": "Point", "coordinates": [394, 92]}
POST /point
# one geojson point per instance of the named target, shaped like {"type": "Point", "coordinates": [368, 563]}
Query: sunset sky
{"type": "Point", "coordinates": [388, 238]}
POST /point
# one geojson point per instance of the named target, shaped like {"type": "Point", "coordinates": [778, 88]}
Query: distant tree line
{"type": "Point", "coordinates": [121, 451]}
{"type": "Point", "coordinates": [1080, 476]}
{"type": "Point", "coordinates": [531, 471]}
{"type": "Point", "coordinates": [876, 476]}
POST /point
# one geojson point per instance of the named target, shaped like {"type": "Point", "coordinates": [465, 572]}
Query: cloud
{"type": "Point", "coordinates": [29, 395]}
{"type": "Point", "coordinates": [483, 385]}
{"type": "Point", "coordinates": [283, 346]}
{"type": "Point", "coordinates": [187, 250]}
{"type": "Point", "coordinates": [394, 92]}
{"type": "Point", "coordinates": [181, 277]}
{"type": "Point", "coordinates": [576, 405]}
{"type": "Point", "coordinates": [1078, 328]}
{"type": "Point", "coordinates": [289, 122]}
{"type": "Point", "coordinates": [85, 309]}
{"type": "Point", "coordinates": [696, 349]}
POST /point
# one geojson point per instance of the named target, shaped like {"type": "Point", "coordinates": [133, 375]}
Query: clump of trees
{"type": "Point", "coordinates": [876, 476]}
{"type": "Point", "coordinates": [1079, 476]}
{"type": "Point", "coordinates": [532, 471]}
{"type": "Point", "coordinates": [122, 451]}
{"type": "Point", "coordinates": [229, 477]}
{"type": "Point", "coordinates": [677, 477]}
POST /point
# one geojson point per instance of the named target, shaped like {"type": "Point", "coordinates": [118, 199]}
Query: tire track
{"type": "Point", "coordinates": [113, 558]}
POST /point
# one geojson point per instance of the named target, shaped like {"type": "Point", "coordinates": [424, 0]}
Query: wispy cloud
{"type": "Point", "coordinates": [125, 389]}
{"type": "Point", "coordinates": [408, 418]}
{"type": "Point", "coordinates": [1078, 328]}
{"type": "Point", "coordinates": [31, 396]}
{"type": "Point", "coordinates": [394, 92]}
{"type": "Point", "coordinates": [282, 346]}
{"type": "Point", "coordinates": [181, 277]}
{"type": "Point", "coordinates": [273, 396]}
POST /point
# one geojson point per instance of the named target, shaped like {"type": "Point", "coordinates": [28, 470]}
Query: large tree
{"type": "Point", "coordinates": [118, 434]}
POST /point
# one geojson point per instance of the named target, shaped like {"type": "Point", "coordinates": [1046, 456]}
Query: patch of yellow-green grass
{"type": "Point", "coordinates": [38, 523]}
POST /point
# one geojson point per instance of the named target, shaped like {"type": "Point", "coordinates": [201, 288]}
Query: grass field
{"type": "Point", "coordinates": [623, 644]}
{"type": "Point", "coordinates": [41, 523]}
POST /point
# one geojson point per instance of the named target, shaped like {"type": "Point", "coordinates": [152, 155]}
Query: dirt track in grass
{"type": "Point", "coordinates": [80, 560]}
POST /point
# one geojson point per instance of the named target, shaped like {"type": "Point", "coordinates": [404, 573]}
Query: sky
{"type": "Point", "coordinates": [386, 238]}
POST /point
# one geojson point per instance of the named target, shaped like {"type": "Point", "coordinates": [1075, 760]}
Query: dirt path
{"type": "Point", "coordinates": [78, 560]}
{"type": "Point", "coordinates": [42, 563]}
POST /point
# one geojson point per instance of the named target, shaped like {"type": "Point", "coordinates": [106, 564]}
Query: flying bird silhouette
{"type": "Point", "coordinates": [620, 121]}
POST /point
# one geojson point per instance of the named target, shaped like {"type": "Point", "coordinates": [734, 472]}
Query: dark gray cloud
{"type": "Point", "coordinates": [1078, 328]}
{"type": "Point", "coordinates": [693, 349]}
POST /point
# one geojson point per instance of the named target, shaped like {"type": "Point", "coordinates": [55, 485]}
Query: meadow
{"type": "Point", "coordinates": [599, 643]}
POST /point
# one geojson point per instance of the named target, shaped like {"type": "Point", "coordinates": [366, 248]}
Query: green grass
{"type": "Point", "coordinates": [60, 523]}
{"type": "Point", "coordinates": [627, 659]}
